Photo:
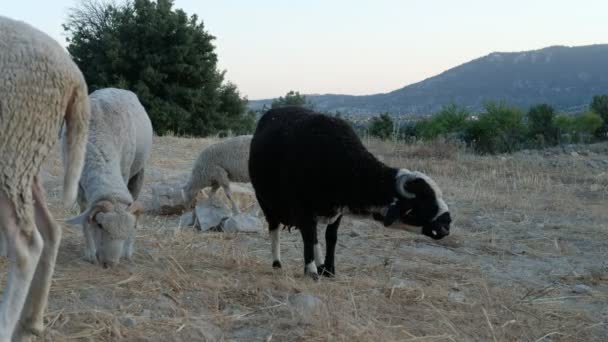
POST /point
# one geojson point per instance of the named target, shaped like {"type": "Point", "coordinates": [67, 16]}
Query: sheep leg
{"type": "Point", "coordinates": [32, 316]}
{"type": "Point", "coordinates": [318, 253]}
{"type": "Point", "coordinates": [90, 249]}
{"type": "Point", "coordinates": [331, 238]}
{"type": "Point", "coordinates": [24, 248]}
{"type": "Point", "coordinates": [135, 184]}
{"type": "Point", "coordinates": [275, 244]}
{"type": "Point", "coordinates": [128, 247]}
{"type": "Point", "coordinates": [235, 208]}
{"type": "Point", "coordinates": [309, 235]}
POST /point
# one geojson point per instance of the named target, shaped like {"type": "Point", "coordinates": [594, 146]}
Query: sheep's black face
{"type": "Point", "coordinates": [424, 208]}
{"type": "Point", "coordinates": [439, 228]}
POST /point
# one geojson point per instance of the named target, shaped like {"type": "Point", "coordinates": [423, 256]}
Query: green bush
{"type": "Point", "coordinates": [499, 129]}
{"type": "Point", "coordinates": [381, 126]}
{"type": "Point", "coordinates": [578, 128]}
{"type": "Point", "coordinates": [599, 105]}
{"type": "Point", "coordinates": [541, 127]}
{"type": "Point", "coordinates": [450, 119]}
{"type": "Point", "coordinates": [292, 98]}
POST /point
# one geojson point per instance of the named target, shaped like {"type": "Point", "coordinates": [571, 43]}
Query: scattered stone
{"type": "Point", "coordinates": [584, 153]}
{"type": "Point", "coordinates": [592, 164]}
{"type": "Point", "coordinates": [128, 321]}
{"type": "Point", "coordinates": [208, 216]}
{"type": "Point", "coordinates": [308, 306]}
{"type": "Point", "coordinates": [244, 222]}
{"type": "Point", "coordinates": [519, 248]}
{"type": "Point", "coordinates": [503, 159]}
{"type": "Point", "coordinates": [574, 154]}
{"type": "Point", "coordinates": [402, 283]}
{"type": "Point", "coordinates": [581, 289]}
{"type": "Point", "coordinates": [187, 219]}
{"type": "Point", "coordinates": [456, 296]}
{"type": "Point", "coordinates": [146, 313]}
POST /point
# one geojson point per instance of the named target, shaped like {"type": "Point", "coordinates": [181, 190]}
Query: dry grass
{"type": "Point", "coordinates": [526, 232]}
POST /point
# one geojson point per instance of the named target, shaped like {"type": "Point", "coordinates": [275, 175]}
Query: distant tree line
{"type": "Point", "coordinates": [501, 128]}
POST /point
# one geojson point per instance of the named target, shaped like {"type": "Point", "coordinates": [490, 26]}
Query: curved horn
{"type": "Point", "coordinates": [100, 207]}
{"type": "Point", "coordinates": [402, 177]}
{"type": "Point", "coordinates": [136, 208]}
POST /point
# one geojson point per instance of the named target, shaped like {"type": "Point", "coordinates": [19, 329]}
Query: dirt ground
{"type": "Point", "coordinates": [527, 261]}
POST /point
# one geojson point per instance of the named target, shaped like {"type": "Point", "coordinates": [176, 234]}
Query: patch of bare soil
{"type": "Point", "coordinates": [527, 261]}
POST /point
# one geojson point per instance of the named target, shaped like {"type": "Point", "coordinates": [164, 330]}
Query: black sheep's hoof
{"type": "Point", "coordinates": [327, 271]}
{"type": "Point", "coordinates": [313, 276]}
{"type": "Point", "coordinates": [276, 264]}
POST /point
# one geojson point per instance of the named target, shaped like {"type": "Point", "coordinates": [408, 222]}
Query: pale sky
{"type": "Point", "coordinates": [269, 47]}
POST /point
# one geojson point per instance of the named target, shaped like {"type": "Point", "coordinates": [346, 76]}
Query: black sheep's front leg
{"type": "Point", "coordinates": [331, 238]}
{"type": "Point", "coordinates": [309, 236]}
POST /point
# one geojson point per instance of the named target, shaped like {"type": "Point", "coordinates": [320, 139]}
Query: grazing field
{"type": "Point", "coordinates": [527, 261]}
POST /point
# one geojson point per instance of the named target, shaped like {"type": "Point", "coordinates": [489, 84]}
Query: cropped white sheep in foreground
{"type": "Point", "coordinates": [119, 144]}
{"type": "Point", "coordinates": [40, 87]}
{"type": "Point", "coordinates": [217, 166]}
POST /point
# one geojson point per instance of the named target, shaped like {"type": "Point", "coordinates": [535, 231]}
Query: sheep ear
{"type": "Point", "coordinates": [392, 214]}
{"type": "Point", "coordinates": [78, 220]}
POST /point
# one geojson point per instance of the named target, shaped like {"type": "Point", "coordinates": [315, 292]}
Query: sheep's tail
{"type": "Point", "coordinates": [74, 141]}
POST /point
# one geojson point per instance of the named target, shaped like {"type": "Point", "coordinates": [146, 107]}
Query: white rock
{"type": "Point", "coordinates": [582, 289]}
{"type": "Point", "coordinates": [207, 216]}
{"type": "Point", "coordinates": [456, 297]}
{"type": "Point", "coordinates": [306, 305]}
{"type": "Point", "coordinates": [244, 222]}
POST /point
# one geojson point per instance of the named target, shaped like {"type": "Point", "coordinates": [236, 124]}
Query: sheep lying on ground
{"type": "Point", "coordinates": [217, 166]}
{"type": "Point", "coordinates": [40, 87]}
{"type": "Point", "coordinates": [308, 168]}
{"type": "Point", "coordinates": [120, 142]}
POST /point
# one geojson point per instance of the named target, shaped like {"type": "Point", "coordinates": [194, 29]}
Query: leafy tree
{"type": "Point", "coordinates": [381, 126]}
{"type": "Point", "coordinates": [292, 98]}
{"type": "Point", "coordinates": [580, 127]}
{"type": "Point", "coordinates": [541, 125]}
{"type": "Point", "coordinates": [163, 55]}
{"type": "Point", "coordinates": [499, 129]}
{"type": "Point", "coordinates": [450, 119]}
{"type": "Point", "coordinates": [599, 105]}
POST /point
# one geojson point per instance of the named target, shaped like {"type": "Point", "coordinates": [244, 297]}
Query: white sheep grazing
{"type": "Point", "coordinates": [40, 87]}
{"type": "Point", "coordinates": [119, 144]}
{"type": "Point", "coordinates": [217, 166]}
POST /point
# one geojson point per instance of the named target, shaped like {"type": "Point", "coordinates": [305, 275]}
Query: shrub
{"type": "Point", "coordinates": [499, 129]}
{"type": "Point", "coordinates": [450, 119]}
{"type": "Point", "coordinates": [381, 126]}
{"type": "Point", "coordinates": [541, 127]}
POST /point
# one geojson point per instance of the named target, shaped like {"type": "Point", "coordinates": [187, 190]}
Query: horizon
{"type": "Point", "coordinates": [359, 48]}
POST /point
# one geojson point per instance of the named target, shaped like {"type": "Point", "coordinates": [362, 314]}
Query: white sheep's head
{"type": "Point", "coordinates": [111, 226]}
{"type": "Point", "coordinates": [419, 203]}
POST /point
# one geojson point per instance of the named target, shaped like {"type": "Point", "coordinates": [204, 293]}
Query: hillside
{"type": "Point", "coordinates": [566, 77]}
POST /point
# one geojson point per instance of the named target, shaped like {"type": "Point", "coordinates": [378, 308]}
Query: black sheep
{"type": "Point", "coordinates": [308, 168]}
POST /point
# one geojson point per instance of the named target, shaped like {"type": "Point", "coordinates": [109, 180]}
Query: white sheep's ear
{"type": "Point", "coordinates": [78, 220]}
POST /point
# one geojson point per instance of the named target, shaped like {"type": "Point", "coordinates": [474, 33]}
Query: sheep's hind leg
{"type": "Point", "coordinates": [275, 244]}
{"type": "Point", "coordinates": [309, 235]}
{"type": "Point", "coordinates": [32, 316]}
{"type": "Point", "coordinates": [328, 269]}
{"type": "Point", "coordinates": [24, 249]}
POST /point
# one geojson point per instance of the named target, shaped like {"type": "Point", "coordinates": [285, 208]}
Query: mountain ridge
{"type": "Point", "coordinates": [566, 77]}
